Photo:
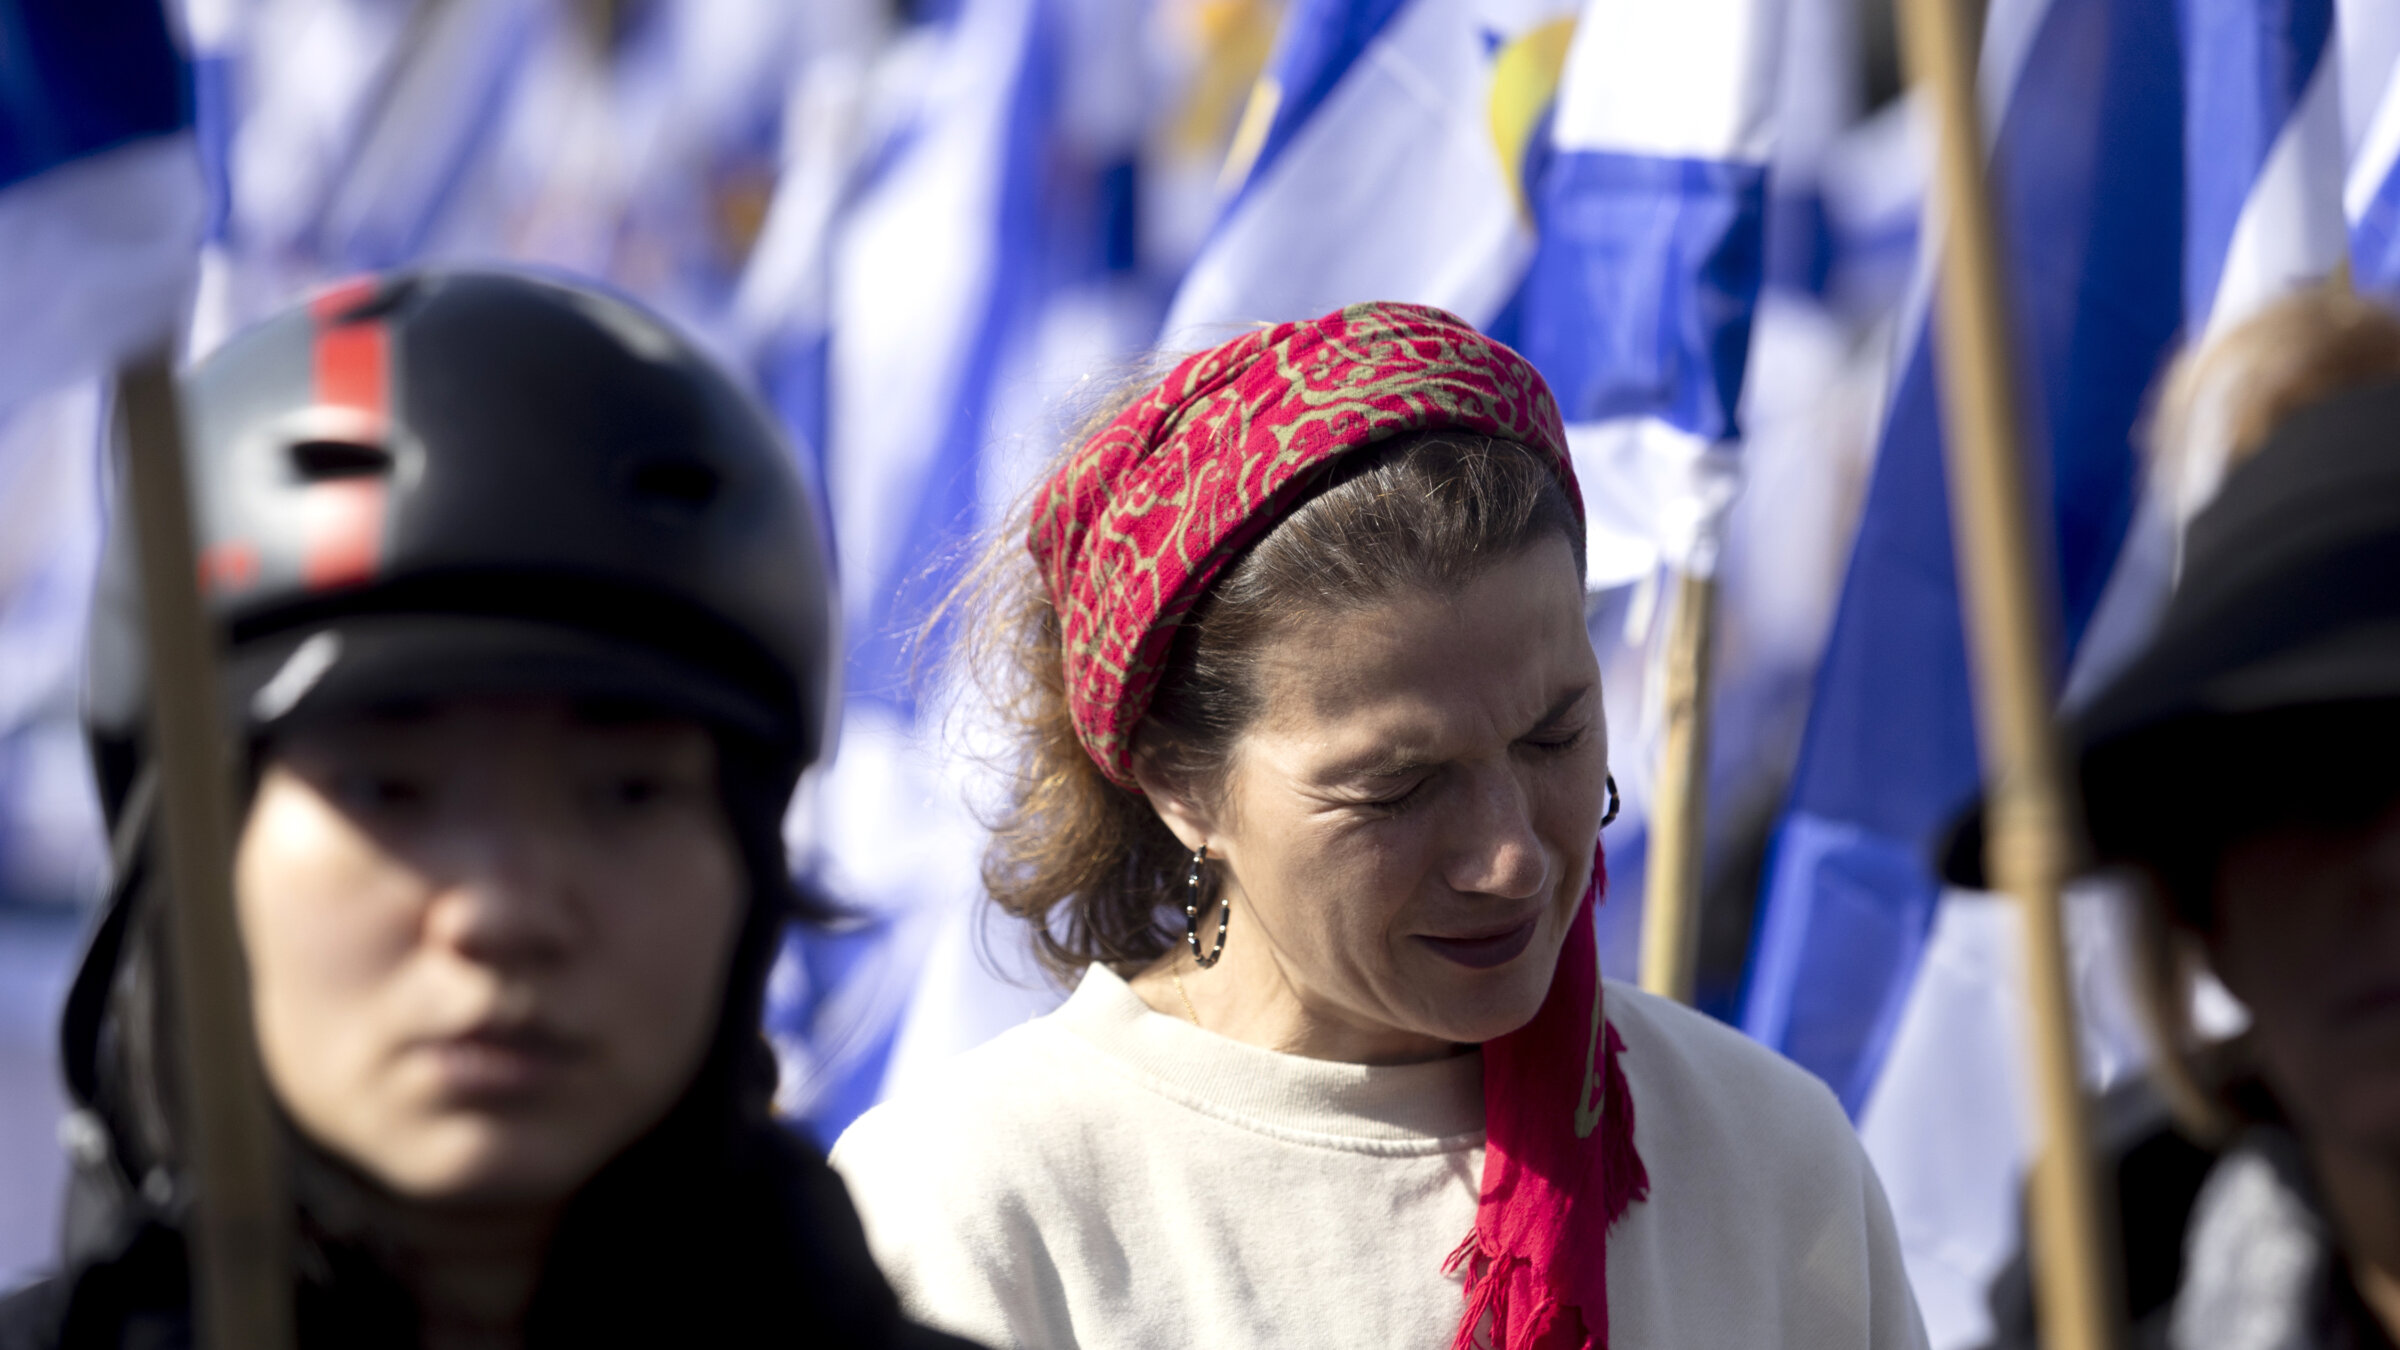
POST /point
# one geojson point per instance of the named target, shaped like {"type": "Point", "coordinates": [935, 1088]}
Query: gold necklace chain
{"type": "Point", "coordinates": [1188, 1010]}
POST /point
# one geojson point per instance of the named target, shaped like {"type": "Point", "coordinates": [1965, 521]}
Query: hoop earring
{"type": "Point", "coordinates": [1191, 915]}
{"type": "Point", "coordinates": [1613, 802]}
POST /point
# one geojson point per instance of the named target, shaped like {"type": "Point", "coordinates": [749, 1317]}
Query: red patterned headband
{"type": "Point", "coordinates": [1135, 526]}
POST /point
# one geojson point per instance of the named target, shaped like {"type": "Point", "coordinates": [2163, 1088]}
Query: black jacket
{"type": "Point", "coordinates": [767, 1251]}
{"type": "Point", "coordinates": [2220, 1250]}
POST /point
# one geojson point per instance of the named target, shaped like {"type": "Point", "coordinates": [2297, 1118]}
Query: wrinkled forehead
{"type": "Point", "coordinates": [1490, 658]}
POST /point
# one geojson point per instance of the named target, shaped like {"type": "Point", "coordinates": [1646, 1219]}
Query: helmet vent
{"type": "Point", "coordinates": [678, 486]}
{"type": "Point", "coordinates": [321, 461]}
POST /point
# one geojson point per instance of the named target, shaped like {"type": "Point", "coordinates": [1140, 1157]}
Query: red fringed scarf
{"type": "Point", "coordinates": [1129, 534]}
{"type": "Point", "coordinates": [1559, 1165]}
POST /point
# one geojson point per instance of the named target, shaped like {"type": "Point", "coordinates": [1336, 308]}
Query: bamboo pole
{"type": "Point", "coordinates": [1679, 814]}
{"type": "Point", "coordinates": [241, 1260]}
{"type": "Point", "coordinates": [2032, 822]}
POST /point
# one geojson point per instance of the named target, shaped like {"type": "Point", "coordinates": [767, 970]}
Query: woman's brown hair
{"type": "Point", "coordinates": [1088, 864]}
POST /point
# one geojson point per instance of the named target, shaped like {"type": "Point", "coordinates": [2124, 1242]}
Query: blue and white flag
{"type": "Point", "coordinates": [101, 212]}
{"type": "Point", "coordinates": [101, 200]}
{"type": "Point", "coordinates": [2263, 142]}
{"type": "Point", "coordinates": [1651, 209]}
{"type": "Point", "coordinates": [2088, 155]}
{"type": "Point", "coordinates": [932, 262]}
{"type": "Point", "coordinates": [1650, 204]}
{"type": "Point", "coordinates": [2371, 199]}
{"type": "Point", "coordinates": [2104, 163]}
{"type": "Point", "coordinates": [1382, 157]}
{"type": "Point", "coordinates": [1585, 181]}
{"type": "Point", "coordinates": [985, 243]}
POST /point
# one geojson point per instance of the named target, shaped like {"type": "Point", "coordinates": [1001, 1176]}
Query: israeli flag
{"type": "Point", "coordinates": [1904, 998]}
{"type": "Point", "coordinates": [2371, 196]}
{"type": "Point", "coordinates": [936, 267]}
{"type": "Point", "coordinates": [101, 198]}
{"type": "Point", "coordinates": [1638, 302]}
{"type": "Point", "coordinates": [1585, 182]}
{"type": "Point", "coordinates": [1641, 292]}
{"type": "Point", "coordinates": [1382, 157]}
{"type": "Point", "coordinates": [101, 212]}
{"type": "Point", "coordinates": [2263, 132]}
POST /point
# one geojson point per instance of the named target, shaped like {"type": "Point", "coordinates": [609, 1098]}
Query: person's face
{"type": "Point", "coordinates": [488, 939]}
{"type": "Point", "coordinates": [2307, 935]}
{"type": "Point", "coordinates": [1409, 826]}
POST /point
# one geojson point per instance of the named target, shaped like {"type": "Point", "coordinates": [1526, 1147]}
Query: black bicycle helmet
{"type": "Point", "coordinates": [452, 481]}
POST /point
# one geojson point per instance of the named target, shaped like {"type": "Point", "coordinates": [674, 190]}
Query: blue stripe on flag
{"type": "Point", "coordinates": [2089, 165]}
{"type": "Point", "coordinates": [81, 76]}
{"type": "Point", "coordinates": [213, 117]}
{"type": "Point", "coordinates": [1639, 298]}
{"type": "Point", "coordinates": [884, 656]}
{"type": "Point", "coordinates": [1315, 47]}
{"type": "Point", "coordinates": [2246, 66]}
{"type": "Point", "coordinates": [2375, 239]}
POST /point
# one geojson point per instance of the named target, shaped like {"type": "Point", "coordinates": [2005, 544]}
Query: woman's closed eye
{"type": "Point", "coordinates": [1394, 803]}
{"type": "Point", "coordinates": [1556, 740]}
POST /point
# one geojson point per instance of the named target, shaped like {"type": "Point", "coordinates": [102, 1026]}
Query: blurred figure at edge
{"type": "Point", "coordinates": [2243, 772]}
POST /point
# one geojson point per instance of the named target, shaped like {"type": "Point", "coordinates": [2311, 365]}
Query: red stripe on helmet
{"type": "Point", "coordinates": [353, 365]}
{"type": "Point", "coordinates": [352, 360]}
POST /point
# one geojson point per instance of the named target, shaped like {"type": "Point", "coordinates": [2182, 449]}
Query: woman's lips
{"type": "Point", "coordinates": [495, 1064]}
{"type": "Point", "coordinates": [1486, 951]}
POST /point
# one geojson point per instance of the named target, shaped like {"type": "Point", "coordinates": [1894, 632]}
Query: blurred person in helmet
{"type": "Point", "coordinates": [2244, 773]}
{"type": "Point", "coordinates": [529, 639]}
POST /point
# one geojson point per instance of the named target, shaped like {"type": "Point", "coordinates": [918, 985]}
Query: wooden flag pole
{"type": "Point", "coordinates": [2033, 824]}
{"type": "Point", "coordinates": [241, 1259]}
{"type": "Point", "coordinates": [1679, 814]}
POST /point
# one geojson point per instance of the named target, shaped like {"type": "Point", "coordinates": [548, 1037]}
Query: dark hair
{"type": "Point", "coordinates": [1088, 864]}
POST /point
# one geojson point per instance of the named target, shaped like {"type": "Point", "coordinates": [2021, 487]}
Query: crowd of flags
{"type": "Point", "coordinates": [936, 234]}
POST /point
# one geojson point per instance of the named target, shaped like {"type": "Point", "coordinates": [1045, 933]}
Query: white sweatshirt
{"type": "Point", "coordinates": [1110, 1176]}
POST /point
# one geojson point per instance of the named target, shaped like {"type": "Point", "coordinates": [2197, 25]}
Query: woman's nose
{"type": "Point", "coordinates": [1500, 851]}
{"type": "Point", "coordinates": [510, 898]}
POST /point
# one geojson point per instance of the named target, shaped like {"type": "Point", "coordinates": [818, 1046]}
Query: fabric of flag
{"type": "Point", "coordinates": [933, 265]}
{"type": "Point", "coordinates": [2263, 216]}
{"type": "Point", "coordinates": [2088, 165]}
{"type": "Point", "coordinates": [2371, 199]}
{"type": "Point", "coordinates": [101, 199]}
{"type": "Point", "coordinates": [1651, 209]}
{"type": "Point", "coordinates": [986, 243]}
{"type": "Point", "coordinates": [101, 214]}
{"type": "Point", "coordinates": [2261, 209]}
{"type": "Point", "coordinates": [2263, 146]}
{"type": "Point", "coordinates": [1382, 158]}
